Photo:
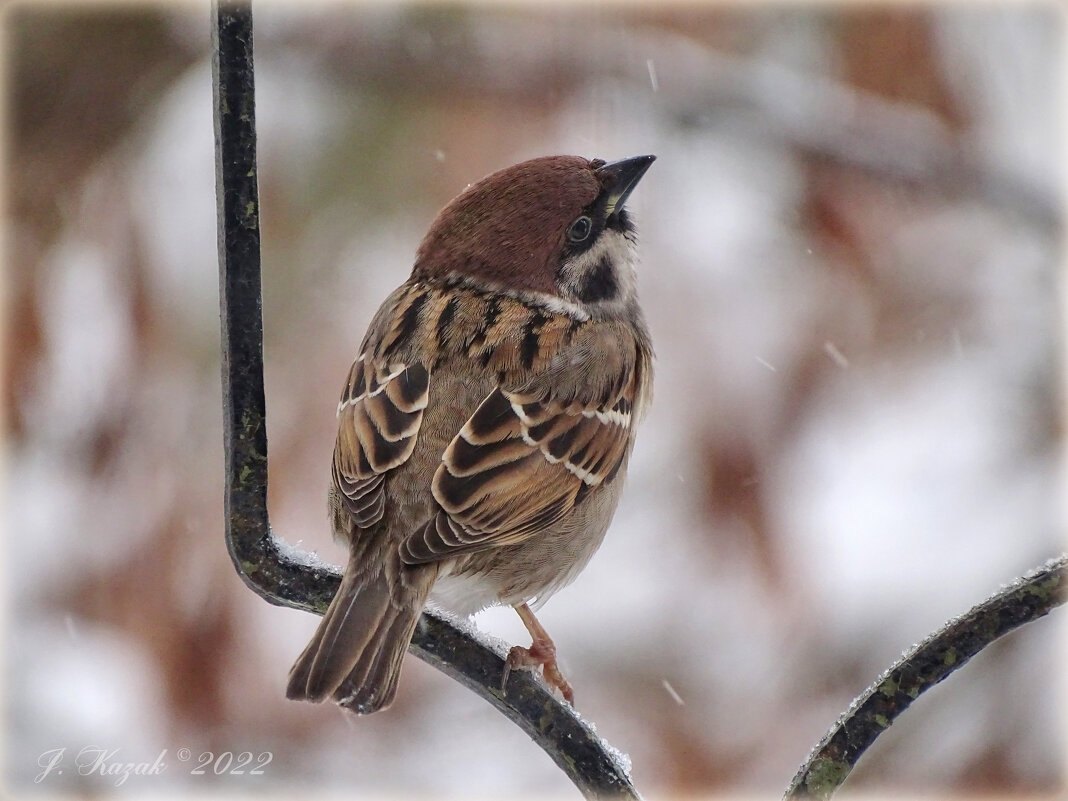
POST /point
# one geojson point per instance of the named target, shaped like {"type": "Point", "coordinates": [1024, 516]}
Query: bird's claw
{"type": "Point", "coordinates": [540, 653]}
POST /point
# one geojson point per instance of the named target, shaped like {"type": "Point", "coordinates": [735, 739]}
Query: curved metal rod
{"type": "Point", "coordinates": [278, 577]}
{"type": "Point", "coordinates": [920, 669]}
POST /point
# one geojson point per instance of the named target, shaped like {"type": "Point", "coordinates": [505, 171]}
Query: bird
{"type": "Point", "coordinates": [485, 426]}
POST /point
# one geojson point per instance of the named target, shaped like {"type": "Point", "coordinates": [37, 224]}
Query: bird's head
{"type": "Point", "coordinates": [554, 229]}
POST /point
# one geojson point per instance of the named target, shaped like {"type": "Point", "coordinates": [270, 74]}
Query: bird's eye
{"type": "Point", "coordinates": [580, 230]}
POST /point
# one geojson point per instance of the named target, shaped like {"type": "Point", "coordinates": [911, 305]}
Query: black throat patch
{"type": "Point", "coordinates": [599, 283]}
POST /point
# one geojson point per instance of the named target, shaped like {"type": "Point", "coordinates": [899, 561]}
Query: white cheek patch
{"type": "Point", "coordinates": [619, 251]}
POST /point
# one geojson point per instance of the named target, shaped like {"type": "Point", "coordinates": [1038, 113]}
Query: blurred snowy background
{"type": "Point", "coordinates": [852, 257]}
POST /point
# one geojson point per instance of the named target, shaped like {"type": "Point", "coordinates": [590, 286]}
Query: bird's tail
{"type": "Point", "coordinates": [355, 655]}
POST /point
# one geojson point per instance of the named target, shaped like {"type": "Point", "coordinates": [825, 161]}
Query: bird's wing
{"type": "Point", "coordinates": [530, 455]}
{"type": "Point", "coordinates": [379, 416]}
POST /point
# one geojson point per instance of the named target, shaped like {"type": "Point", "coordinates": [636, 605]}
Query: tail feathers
{"type": "Point", "coordinates": [372, 683]}
{"type": "Point", "coordinates": [356, 653]}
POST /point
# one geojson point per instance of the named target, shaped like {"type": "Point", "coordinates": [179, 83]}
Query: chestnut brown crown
{"type": "Point", "coordinates": [553, 225]}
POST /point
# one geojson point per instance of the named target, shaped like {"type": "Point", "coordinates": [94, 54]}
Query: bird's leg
{"type": "Point", "coordinates": [542, 652]}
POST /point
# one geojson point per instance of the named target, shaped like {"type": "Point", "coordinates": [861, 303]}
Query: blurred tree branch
{"type": "Point", "coordinates": [280, 578]}
{"type": "Point", "coordinates": [928, 663]}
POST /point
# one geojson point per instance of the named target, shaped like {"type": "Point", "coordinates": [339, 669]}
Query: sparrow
{"type": "Point", "coordinates": [484, 429]}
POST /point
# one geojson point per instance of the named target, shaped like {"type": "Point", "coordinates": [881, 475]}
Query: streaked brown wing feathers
{"type": "Point", "coordinates": [378, 419]}
{"type": "Point", "coordinates": [520, 463]}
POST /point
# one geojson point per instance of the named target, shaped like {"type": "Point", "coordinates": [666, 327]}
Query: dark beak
{"type": "Point", "coordinates": [619, 178]}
